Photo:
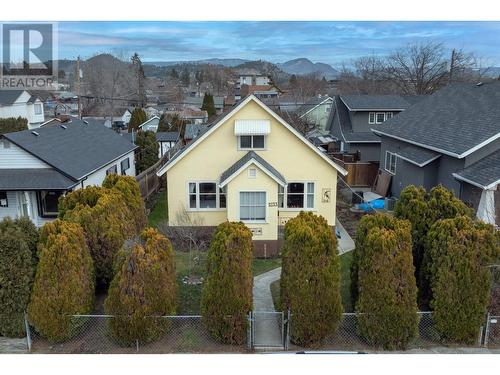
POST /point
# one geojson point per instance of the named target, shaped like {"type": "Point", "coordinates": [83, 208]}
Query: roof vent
{"type": "Point", "coordinates": [479, 84]}
{"type": "Point", "coordinates": [85, 122]}
{"type": "Point", "coordinates": [35, 133]}
{"type": "Point", "coordinates": [63, 126]}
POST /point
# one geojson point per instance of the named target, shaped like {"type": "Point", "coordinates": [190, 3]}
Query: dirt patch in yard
{"type": "Point", "coordinates": [348, 218]}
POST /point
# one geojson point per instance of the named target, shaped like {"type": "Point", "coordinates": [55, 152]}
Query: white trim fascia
{"type": "Point", "coordinates": [487, 187]}
{"type": "Point", "coordinates": [145, 122]}
{"type": "Point", "coordinates": [417, 164]}
{"type": "Point", "coordinates": [166, 167]}
{"type": "Point", "coordinates": [455, 155]}
{"type": "Point", "coordinates": [316, 106]}
{"type": "Point", "coordinates": [340, 125]}
{"type": "Point", "coordinates": [246, 165]}
{"type": "Point", "coordinates": [369, 110]}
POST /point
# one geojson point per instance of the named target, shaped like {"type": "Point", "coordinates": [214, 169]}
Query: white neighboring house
{"type": "Point", "coordinates": [151, 124]}
{"type": "Point", "coordinates": [38, 166]}
{"type": "Point", "coordinates": [151, 111]}
{"type": "Point", "coordinates": [166, 140]}
{"type": "Point", "coordinates": [19, 103]}
{"type": "Point", "coordinates": [127, 115]}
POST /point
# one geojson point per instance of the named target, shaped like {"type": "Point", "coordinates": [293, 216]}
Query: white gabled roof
{"type": "Point", "coordinates": [215, 126]}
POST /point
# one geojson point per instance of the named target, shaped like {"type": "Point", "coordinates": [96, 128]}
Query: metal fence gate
{"type": "Point", "coordinates": [492, 332]}
{"type": "Point", "coordinates": [268, 330]}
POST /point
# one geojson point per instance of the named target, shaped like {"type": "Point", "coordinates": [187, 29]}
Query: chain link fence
{"type": "Point", "coordinates": [348, 337]}
{"type": "Point", "coordinates": [92, 334]}
{"type": "Point", "coordinates": [492, 332]}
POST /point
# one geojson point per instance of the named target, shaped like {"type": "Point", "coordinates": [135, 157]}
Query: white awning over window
{"type": "Point", "coordinates": [252, 127]}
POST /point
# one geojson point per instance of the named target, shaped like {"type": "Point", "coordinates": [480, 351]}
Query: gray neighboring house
{"type": "Point", "coordinates": [451, 138]}
{"type": "Point", "coordinates": [166, 141]}
{"type": "Point", "coordinates": [38, 166]}
{"type": "Point", "coordinates": [353, 116]}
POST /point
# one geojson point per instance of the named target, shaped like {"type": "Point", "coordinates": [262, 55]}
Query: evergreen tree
{"type": "Point", "coordinates": [138, 118]}
{"type": "Point", "coordinates": [387, 291]}
{"type": "Point", "coordinates": [185, 77]}
{"type": "Point", "coordinates": [18, 239]}
{"type": "Point", "coordinates": [142, 290]}
{"type": "Point", "coordinates": [227, 292]}
{"type": "Point", "coordinates": [131, 193]}
{"type": "Point", "coordinates": [12, 124]}
{"type": "Point", "coordinates": [310, 279]}
{"type": "Point", "coordinates": [64, 281]}
{"type": "Point", "coordinates": [148, 150]}
{"type": "Point", "coordinates": [458, 255]}
{"type": "Point", "coordinates": [163, 125]}
{"type": "Point", "coordinates": [208, 105]}
{"type": "Point", "coordinates": [105, 219]}
{"type": "Point", "coordinates": [293, 81]}
{"type": "Point", "coordinates": [174, 73]}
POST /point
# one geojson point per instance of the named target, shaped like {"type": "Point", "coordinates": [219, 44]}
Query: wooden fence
{"type": "Point", "coordinates": [359, 173]}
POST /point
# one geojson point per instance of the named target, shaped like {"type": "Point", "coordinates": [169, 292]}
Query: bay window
{"type": "Point", "coordinates": [252, 206]}
{"type": "Point", "coordinates": [206, 195]}
{"type": "Point", "coordinates": [296, 195]}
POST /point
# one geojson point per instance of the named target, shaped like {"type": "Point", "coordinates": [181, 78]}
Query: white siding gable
{"type": "Point", "coordinates": [12, 156]}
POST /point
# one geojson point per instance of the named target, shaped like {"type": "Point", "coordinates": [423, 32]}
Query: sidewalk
{"type": "Point", "coordinates": [345, 242]}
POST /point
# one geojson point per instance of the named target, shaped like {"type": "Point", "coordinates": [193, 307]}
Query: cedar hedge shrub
{"type": "Point", "coordinates": [310, 279]}
{"type": "Point", "coordinates": [423, 209]}
{"type": "Point", "coordinates": [129, 188]}
{"type": "Point", "coordinates": [142, 290]}
{"type": "Point", "coordinates": [459, 252]}
{"type": "Point", "coordinates": [387, 291]}
{"type": "Point", "coordinates": [105, 219]}
{"type": "Point", "coordinates": [227, 292]}
{"type": "Point", "coordinates": [64, 281]}
{"type": "Point", "coordinates": [13, 124]}
{"type": "Point", "coordinates": [18, 239]}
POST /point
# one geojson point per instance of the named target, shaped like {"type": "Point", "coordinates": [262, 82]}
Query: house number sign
{"type": "Point", "coordinates": [273, 204]}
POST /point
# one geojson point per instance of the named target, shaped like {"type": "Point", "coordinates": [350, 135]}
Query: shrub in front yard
{"type": "Point", "coordinates": [18, 240]}
{"type": "Point", "coordinates": [129, 188]}
{"type": "Point", "coordinates": [387, 291]}
{"type": "Point", "coordinates": [64, 281]}
{"type": "Point", "coordinates": [310, 279]}
{"type": "Point", "coordinates": [227, 291]}
{"type": "Point", "coordinates": [143, 289]}
{"type": "Point", "coordinates": [105, 219]}
{"type": "Point", "coordinates": [459, 252]}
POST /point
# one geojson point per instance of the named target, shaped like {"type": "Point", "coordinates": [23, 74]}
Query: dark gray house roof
{"type": "Point", "coordinates": [455, 120]}
{"type": "Point", "coordinates": [249, 156]}
{"type": "Point", "coordinates": [375, 102]}
{"type": "Point", "coordinates": [484, 173]}
{"type": "Point", "coordinates": [34, 179]}
{"type": "Point", "coordinates": [341, 127]}
{"type": "Point", "coordinates": [76, 149]}
{"type": "Point", "coordinates": [167, 136]}
{"type": "Point", "coordinates": [417, 155]}
{"type": "Point", "coordinates": [7, 97]}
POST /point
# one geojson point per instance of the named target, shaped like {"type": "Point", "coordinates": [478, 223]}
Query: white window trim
{"type": "Point", "coordinates": [217, 196]}
{"type": "Point", "coordinates": [265, 221]}
{"type": "Point", "coordinates": [374, 117]}
{"type": "Point", "coordinates": [252, 148]}
{"type": "Point", "coordinates": [285, 193]}
{"type": "Point", "coordinates": [35, 106]}
{"type": "Point", "coordinates": [392, 154]}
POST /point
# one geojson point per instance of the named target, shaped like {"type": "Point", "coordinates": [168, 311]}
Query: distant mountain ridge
{"type": "Point", "coordinates": [303, 66]}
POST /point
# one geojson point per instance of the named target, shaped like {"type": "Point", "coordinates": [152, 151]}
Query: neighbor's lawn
{"type": "Point", "coordinates": [345, 284]}
{"type": "Point", "coordinates": [263, 265]}
{"type": "Point", "coordinates": [159, 212]}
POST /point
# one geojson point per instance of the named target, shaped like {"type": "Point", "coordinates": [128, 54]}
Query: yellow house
{"type": "Point", "coordinates": [251, 166]}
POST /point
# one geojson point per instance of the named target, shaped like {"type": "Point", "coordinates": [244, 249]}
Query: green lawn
{"type": "Point", "coordinates": [263, 265]}
{"type": "Point", "coordinates": [345, 284]}
{"type": "Point", "coordinates": [159, 211]}
{"type": "Point", "coordinates": [189, 296]}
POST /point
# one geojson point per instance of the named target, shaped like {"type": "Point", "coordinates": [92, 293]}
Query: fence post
{"type": "Point", "coordinates": [136, 345]}
{"type": "Point", "coordinates": [287, 330]}
{"type": "Point", "coordinates": [249, 331]}
{"type": "Point", "coordinates": [28, 332]}
{"type": "Point", "coordinates": [487, 330]}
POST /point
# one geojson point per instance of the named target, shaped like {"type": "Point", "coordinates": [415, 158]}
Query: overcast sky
{"type": "Point", "coordinates": [329, 42]}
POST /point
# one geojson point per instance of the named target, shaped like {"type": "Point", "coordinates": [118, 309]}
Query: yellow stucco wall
{"type": "Point", "coordinates": [284, 151]}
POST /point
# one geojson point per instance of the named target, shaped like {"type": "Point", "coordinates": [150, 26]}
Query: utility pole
{"type": "Point", "coordinates": [78, 76]}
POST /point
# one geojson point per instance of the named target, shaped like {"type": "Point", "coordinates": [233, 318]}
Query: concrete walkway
{"type": "Point", "coordinates": [13, 346]}
{"type": "Point", "coordinates": [267, 327]}
{"type": "Point", "coordinates": [345, 242]}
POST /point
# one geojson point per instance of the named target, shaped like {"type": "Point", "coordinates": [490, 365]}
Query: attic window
{"type": "Point", "coordinates": [252, 173]}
